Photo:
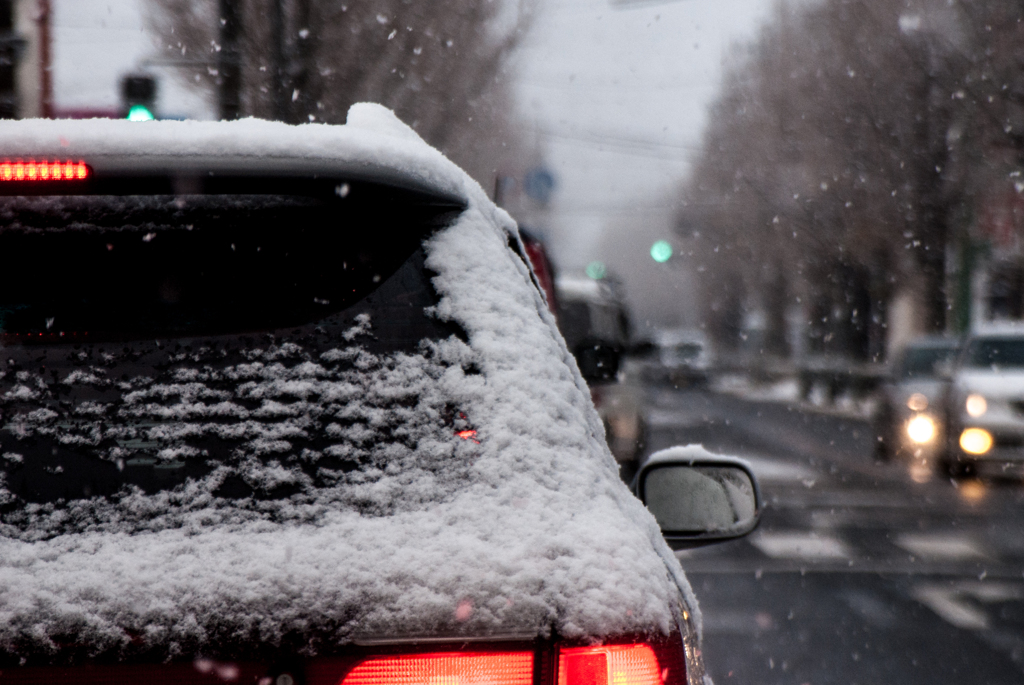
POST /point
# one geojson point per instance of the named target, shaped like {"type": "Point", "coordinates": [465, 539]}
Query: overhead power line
{"type": "Point", "coordinates": [635, 146]}
{"type": "Point", "coordinates": [637, 4]}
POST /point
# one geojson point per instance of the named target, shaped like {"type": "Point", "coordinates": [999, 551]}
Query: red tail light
{"type": "Point", "coordinates": [657, 663]}
{"type": "Point", "coordinates": [446, 668]}
{"type": "Point", "coordinates": [44, 171]}
{"type": "Point", "coordinates": [636, 664]}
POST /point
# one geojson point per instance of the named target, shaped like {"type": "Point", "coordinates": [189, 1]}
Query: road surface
{"type": "Point", "coordinates": [860, 572]}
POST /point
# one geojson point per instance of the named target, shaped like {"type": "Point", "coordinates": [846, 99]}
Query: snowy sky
{"type": "Point", "coordinates": [618, 90]}
{"type": "Point", "coordinates": [95, 42]}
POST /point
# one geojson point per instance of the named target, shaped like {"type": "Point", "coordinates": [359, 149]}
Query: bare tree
{"type": "Point", "coordinates": [848, 151]}
{"type": "Point", "coordinates": [440, 66]}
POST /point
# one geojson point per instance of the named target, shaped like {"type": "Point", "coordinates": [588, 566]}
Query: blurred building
{"type": "Point", "coordinates": [995, 259]}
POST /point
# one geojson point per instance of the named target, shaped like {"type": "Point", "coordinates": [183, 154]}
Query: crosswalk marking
{"type": "Point", "coordinates": [724, 621]}
{"type": "Point", "coordinates": [797, 545]}
{"type": "Point", "coordinates": [947, 603]}
{"type": "Point", "coordinates": [665, 418]}
{"type": "Point", "coordinates": [951, 602]}
{"type": "Point", "coordinates": [940, 547]}
{"type": "Point", "coordinates": [769, 470]}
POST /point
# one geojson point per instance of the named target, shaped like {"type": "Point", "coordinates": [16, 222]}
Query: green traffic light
{"type": "Point", "coordinates": [661, 251]}
{"type": "Point", "coordinates": [140, 113]}
{"type": "Point", "coordinates": [597, 270]}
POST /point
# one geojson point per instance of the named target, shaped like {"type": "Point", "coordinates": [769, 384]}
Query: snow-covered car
{"type": "Point", "coordinates": [909, 417]}
{"type": "Point", "coordinates": [284, 404]}
{"type": "Point", "coordinates": [985, 404]}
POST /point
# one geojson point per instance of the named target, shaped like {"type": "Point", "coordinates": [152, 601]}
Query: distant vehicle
{"type": "Point", "coordinates": [593, 318]}
{"type": "Point", "coordinates": [683, 356]}
{"type": "Point", "coordinates": [909, 420]}
{"type": "Point", "coordinates": [283, 404]}
{"type": "Point", "coordinates": [985, 405]}
{"type": "Point", "coordinates": [543, 268]}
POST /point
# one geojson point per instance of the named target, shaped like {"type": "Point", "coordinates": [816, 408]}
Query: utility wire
{"type": "Point", "coordinates": [634, 146]}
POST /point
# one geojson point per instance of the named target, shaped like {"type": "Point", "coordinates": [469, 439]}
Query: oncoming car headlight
{"type": "Point", "coordinates": [976, 441]}
{"type": "Point", "coordinates": [976, 405]}
{"type": "Point", "coordinates": [917, 402]}
{"type": "Point", "coordinates": [921, 429]}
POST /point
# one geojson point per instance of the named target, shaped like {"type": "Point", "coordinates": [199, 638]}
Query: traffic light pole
{"type": "Point", "coordinates": [279, 87]}
{"type": "Point", "coordinates": [229, 62]}
{"type": "Point", "coordinates": [44, 17]}
{"type": "Point", "coordinates": [300, 68]}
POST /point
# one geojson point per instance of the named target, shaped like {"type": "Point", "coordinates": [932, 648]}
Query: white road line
{"type": "Point", "coordinates": [733, 622]}
{"type": "Point", "coordinates": [799, 545]}
{"type": "Point", "coordinates": [992, 591]}
{"type": "Point", "coordinates": [947, 603]}
{"type": "Point", "coordinates": [770, 470]}
{"type": "Point", "coordinates": [940, 546]}
{"type": "Point", "coordinates": [668, 418]}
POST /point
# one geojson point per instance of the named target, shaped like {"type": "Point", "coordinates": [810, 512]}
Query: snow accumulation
{"type": "Point", "coordinates": [373, 143]}
{"type": "Point", "coordinates": [528, 526]}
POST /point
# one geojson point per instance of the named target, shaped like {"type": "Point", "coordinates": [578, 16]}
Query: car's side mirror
{"type": "Point", "coordinates": [698, 497]}
{"type": "Point", "coordinates": [598, 361]}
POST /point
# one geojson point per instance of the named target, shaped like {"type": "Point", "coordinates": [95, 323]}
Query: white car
{"type": "Point", "coordinates": [985, 405]}
{"type": "Point", "coordinates": [285, 405]}
{"type": "Point", "coordinates": [684, 355]}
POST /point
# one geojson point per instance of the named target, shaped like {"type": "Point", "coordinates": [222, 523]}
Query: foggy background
{"type": "Point", "coordinates": [612, 99]}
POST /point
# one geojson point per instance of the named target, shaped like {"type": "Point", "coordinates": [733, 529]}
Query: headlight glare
{"type": "Point", "coordinates": [917, 402]}
{"type": "Point", "coordinates": [975, 441]}
{"type": "Point", "coordinates": [976, 405]}
{"type": "Point", "coordinates": [921, 429]}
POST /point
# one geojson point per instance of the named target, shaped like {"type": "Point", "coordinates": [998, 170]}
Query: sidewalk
{"type": "Point", "coordinates": [787, 391]}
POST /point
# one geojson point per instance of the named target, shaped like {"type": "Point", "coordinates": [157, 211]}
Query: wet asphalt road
{"type": "Point", "coordinates": [860, 572]}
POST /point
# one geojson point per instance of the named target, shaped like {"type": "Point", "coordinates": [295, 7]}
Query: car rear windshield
{"type": "Point", "coordinates": [996, 353]}
{"type": "Point", "coordinates": [166, 355]}
{"type": "Point", "coordinates": [88, 267]}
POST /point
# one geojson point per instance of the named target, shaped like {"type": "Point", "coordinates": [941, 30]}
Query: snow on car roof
{"type": "Point", "coordinates": [373, 145]}
{"type": "Point", "coordinates": [539, 536]}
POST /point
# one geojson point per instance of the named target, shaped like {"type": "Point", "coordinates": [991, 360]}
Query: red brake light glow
{"type": "Point", "coordinates": [44, 171]}
{"type": "Point", "coordinates": [446, 668]}
{"type": "Point", "coordinates": [615, 665]}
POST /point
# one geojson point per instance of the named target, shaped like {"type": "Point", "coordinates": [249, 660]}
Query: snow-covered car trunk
{"type": "Point", "coordinates": [211, 465]}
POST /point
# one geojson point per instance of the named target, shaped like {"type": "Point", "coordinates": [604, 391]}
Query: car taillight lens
{"type": "Point", "coordinates": [635, 664]}
{"type": "Point", "coordinates": [451, 668]}
{"type": "Point", "coordinates": [44, 171]}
